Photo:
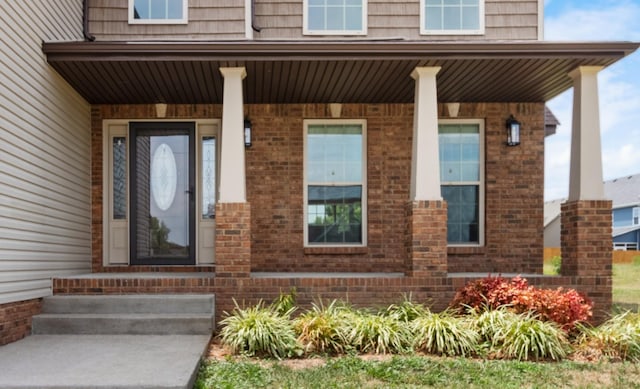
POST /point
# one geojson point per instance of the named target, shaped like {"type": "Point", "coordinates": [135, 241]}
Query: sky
{"type": "Point", "coordinates": [619, 88]}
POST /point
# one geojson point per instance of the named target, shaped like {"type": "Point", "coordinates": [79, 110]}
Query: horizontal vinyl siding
{"type": "Point", "coordinates": [208, 20]}
{"type": "Point", "coordinates": [44, 153]}
{"type": "Point", "coordinates": [504, 19]}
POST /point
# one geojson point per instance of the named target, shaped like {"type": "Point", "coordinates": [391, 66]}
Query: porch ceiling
{"type": "Point", "coordinates": [323, 72]}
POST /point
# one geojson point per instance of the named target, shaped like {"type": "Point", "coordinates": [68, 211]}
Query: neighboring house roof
{"type": "Point", "coordinates": [550, 122]}
{"type": "Point", "coordinates": [552, 210]}
{"type": "Point", "coordinates": [623, 191]}
{"type": "Point", "coordinates": [624, 230]}
{"type": "Point", "coordinates": [303, 71]}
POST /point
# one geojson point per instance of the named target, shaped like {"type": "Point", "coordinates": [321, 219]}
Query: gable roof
{"type": "Point", "coordinates": [623, 191]}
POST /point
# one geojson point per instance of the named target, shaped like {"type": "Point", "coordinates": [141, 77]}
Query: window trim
{"type": "Point", "coordinates": [481, 183]}
{"type": "Point", "coordinates": [305, 189]}
{"type": "Point", "coordinates": [184, 20]}
{"type": "Point", "coordinates": [479, 31]}
{"type": "Point", "coordinates": [307, 31]}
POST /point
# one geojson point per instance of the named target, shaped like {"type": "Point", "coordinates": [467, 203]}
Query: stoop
{"type": "Point", "coordinates": [140, 314]}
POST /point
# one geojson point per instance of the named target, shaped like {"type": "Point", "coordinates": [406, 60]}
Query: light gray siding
{"type": "Point", "coordinates": [45, 202]}
{"type": "Point", "coordinates": [504, 19]}
{"type": "Point", "coordinates": [208, 20]}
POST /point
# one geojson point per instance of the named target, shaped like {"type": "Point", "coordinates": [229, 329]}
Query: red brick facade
{"type": "Point", "coordinates": [587, 249]}
{"type": "Point", "coordinates": [513, 186]}
{"type": "Point", "coordinates": [426, 239]}
{"type": "Point", "coordinates": [15, 319]}
{"type": "Point", "coordinates": [233, 240]}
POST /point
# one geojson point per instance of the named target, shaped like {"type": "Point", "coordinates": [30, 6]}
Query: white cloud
{"type": "Point", "coordinates": [604, 21]}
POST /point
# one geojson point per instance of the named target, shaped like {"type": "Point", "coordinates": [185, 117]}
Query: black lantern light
{"type": "Point", "coordinates": [513, 131]}
{"type": "Point", "coordinates": [247, 132]}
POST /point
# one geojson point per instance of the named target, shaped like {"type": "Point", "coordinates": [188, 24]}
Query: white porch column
{"type": "Point", "coordinates": [585, 176]}
{"type": "Point", "coordinates": [232, 166]}
{"type": "Point", "coordinates": [425, 160]}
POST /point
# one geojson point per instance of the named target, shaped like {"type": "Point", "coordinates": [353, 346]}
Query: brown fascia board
{"type": "Point", "coordinates": [324, 50]}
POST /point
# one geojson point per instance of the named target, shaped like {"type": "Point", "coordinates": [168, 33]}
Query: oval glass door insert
{"type": "Point", "coordinates": [164, 177]}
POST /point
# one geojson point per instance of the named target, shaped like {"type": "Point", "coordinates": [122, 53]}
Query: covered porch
{"type": "Point", "coordinates": [277, 84]}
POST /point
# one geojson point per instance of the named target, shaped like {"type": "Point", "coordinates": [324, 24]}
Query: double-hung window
{"type": "Point", "coordinates": [335, 17]}
{"type": "Point", "coordinates": [335, 183]}
{"type": "Point", "coordinates": [462, 176]}
{"type": "Point", "coordinates": [636, 216]}
{"type": "Point", "coordinates": [452, 17]}
{"type": "Point", "coordinates": [158, 11]}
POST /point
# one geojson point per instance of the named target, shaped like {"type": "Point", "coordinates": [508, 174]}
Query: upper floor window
{"type": "Point", "coordinates": [462, 179]}
{"type": "Point", "coordinates": [335, 183]}
{"type": "Point", "coordinates": [335, 17]}
{"type": "Point", "coordinates": [636, 216]}
{"type": "Point", "coordinates": [452, 17]}
{"type": "Point", "coordinates": [158, 11]}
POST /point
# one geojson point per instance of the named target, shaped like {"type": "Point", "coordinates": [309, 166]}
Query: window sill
{"type": "Point", "coordinates": [336, 250]}
{"type": "Point", "coordinates": [466, 250]}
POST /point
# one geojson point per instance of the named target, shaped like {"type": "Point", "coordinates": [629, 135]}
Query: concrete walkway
{"type": "Point", "coordinates": [102, 361]}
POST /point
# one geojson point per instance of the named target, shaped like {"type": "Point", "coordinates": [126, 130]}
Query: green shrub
{"type": "Point", "coordinates": [556, 263]}
{"type": "Point", "coordinates": [285, 303]}
{"type": "Point", "coordinates": [488, 321]}
{"type": "Point", "coordinates": [444, 334]}
{"type": "Point", "coordinates": [407, 310]}
{"type": "Point", "coordinates": [322, 329]}
{"type": "Point", "coordinates": [259, 331]}
{"type": "Point", "coordinates": [379, 334]}
{"type": "Point", "coordinates": [618, 339]}
{"type": "Point", "coordinates": [527, 338]}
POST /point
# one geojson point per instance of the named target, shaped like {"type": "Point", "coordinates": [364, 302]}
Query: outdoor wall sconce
{"type": "Point", "coordinates": [513, 131]}
{"type": "Point", "coordinates": [247, 132]}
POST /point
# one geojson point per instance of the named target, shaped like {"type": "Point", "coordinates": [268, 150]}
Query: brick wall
{"type": "Point", "coordinates": [426, 239]}
{"type": "Point", "coordinates": [587, 249]}
{"type": "Point", "coordinates": [15, 319]}
{"type": "Point", "coordinates": [513, 185]}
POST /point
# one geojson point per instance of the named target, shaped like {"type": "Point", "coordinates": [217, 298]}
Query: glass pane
{"type": "Point", "coordinates": [162, 196]}
{"type": "Point", "coordinates": [433, 18]}
{"type": "Point", "coordinates": [208, 177]}
{"type": "Point", "coordinates": [353, 19]}
{"type": "Point", "coordinates": [174, 9]}
{"type": "Point", "coordinates": [451, 18]}
{"type": "Point", "coordinates": [459, 152]}
{"type": "Point", "coordinates": [335, 18]}
{"type": "Point", "coordinates": [316, 18]}
{"type": "Point", "coordinates": [141, 9]}
{"type": "Point", "coordinates": [158, 9]}
{"type": "Point", "coordinates": [470, 18]}
{"type": "Point", "coordinates": [334, 214]}
{"type": "Point", "coordinates": [119, 169]}
{"type": "Point", "coordinates": [334, 154]}
{"type": "Point", "coordinates": [462, 212]}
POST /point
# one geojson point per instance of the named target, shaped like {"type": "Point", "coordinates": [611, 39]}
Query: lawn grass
{"type": "Point", "coordinates": [417, 372]}
{"type": "Point", "coordinates": [626, 282]}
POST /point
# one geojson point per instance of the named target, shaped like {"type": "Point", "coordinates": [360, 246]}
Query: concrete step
{"type": "Point", "coordinates": [121, 324]}
{"type": "Point", "coordinates": [139, 303]}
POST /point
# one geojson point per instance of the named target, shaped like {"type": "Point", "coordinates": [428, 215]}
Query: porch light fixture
{"type": "Point", "coordinates": [513, 131]}
{"type": "Point", "coordinates": [247, 132]}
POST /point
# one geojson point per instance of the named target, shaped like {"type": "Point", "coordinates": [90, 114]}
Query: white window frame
{"type": "Point", "coordinates": [481, 184]}
{"type": "Point", "coordinates": [307, 31]}
{"type": "Point", "coordinates": [363, 182]}
{"type": "Point", "coordinates": [479, 31]}
{"type": "Point", "coordinates": [184, 20]}
{"type": "Point", "coordinates": [635, 216]}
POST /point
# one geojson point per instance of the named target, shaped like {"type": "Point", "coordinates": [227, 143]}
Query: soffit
{"type": "Point", "coordinates": [323, 72]}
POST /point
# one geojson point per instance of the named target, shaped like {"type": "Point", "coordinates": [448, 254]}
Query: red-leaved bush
{"type": "Point", "coordinates": [563, 306]}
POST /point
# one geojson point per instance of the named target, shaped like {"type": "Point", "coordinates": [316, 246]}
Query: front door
{"type": "Point", "coordinates": [162, 195]}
